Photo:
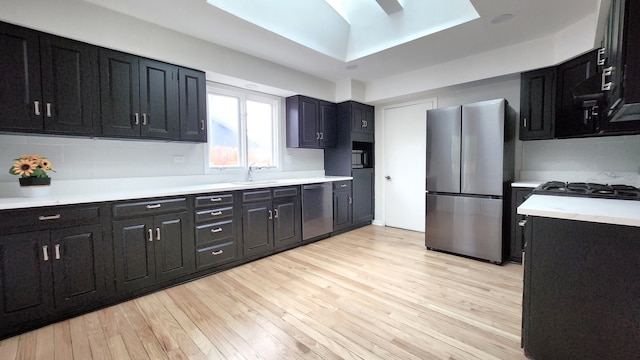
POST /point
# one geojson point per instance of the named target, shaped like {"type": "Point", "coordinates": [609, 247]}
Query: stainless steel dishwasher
{"type": "Point", "coordinates": [317, 210]}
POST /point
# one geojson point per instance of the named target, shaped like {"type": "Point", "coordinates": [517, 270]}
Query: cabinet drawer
{"type": "Point", "coordinates": [257, 195]}
{"type": "Point", "coordinates": [284, 192]}
{"type": "Point", "coordinates": [342, 185]}
{"type": "Point", "coordinates": [214, 200]}
{"type": "Point", "coordinates": [214, 232]}
{"type": "Point", "coordinates": [149, 207]}
{"type": "Point", "coordinates": [50, 217]}
{"type": "Point", "coordinates": [216, 255]}
{"type": "Point", "coordinates": [213, 214]}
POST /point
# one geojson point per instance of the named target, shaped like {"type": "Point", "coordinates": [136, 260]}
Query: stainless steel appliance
{"type": "Point", "coordinates": [317, 210]}
{"type": "Point", "coordinates": [469, 164]}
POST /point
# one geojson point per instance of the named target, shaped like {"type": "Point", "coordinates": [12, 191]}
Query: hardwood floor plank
{"type": "Point", "coordinates": [372, 293]}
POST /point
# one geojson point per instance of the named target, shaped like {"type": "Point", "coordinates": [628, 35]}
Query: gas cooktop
{"type": "Point", "coordinates": [623, 192]}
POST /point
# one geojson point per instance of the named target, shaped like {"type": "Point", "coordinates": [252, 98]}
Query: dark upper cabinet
{"type": "Point", "coordinates": [310, 122]}
{"type": "Point", "coordinates": [362, 118]}
{"type": "Point", "coordinates": [193, 106]}
{"type": "Point", "coordinates": [537, 104]}
{"type": "Point", "coordinates": [139, 97]}
{"type": "Point", "coordinates": [571, 118]}
{"type": "Point", "coordinates": [49, 83]}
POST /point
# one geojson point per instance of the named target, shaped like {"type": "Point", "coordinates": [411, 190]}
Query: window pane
{"type": "Point", "coordinates": [224, 120]}
{"type": "Point", "coordinates": [260, 133]}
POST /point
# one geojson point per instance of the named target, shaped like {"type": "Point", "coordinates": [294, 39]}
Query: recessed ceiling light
{"type": "Point", "coordinates": [352, 67]}
{"type": "Point", "coordinates": [502, 18]}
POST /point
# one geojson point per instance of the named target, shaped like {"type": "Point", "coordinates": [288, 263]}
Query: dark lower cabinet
{"type": "Point", "coordinates": [581, 290]}
{"type": "Point", "coordinates": [363, 200]}
{"type": "Point", "coordinates": [271, 219]}
{"type": "Point", "coordinates": [50, 272]}
{"type": "Point", "coordinates": [342, 205]}
{"type": "Point", "coordinates": [153, 243]}
{"type": "Point", "coordinates": [518, 196]}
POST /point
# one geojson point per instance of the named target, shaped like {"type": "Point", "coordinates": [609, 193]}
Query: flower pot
{"type": "Point", "coordinates": [35, 186]}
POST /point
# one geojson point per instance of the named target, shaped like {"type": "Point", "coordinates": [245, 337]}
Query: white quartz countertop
{"type": "Point", "coordinates": [526, 184]}
{"type": "Point", "coordinates": [607, 211]}
{"type": "Point", "coordinates": [100, 191]}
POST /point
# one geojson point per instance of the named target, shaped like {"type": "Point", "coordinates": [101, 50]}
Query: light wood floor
{"type": "Point", "coordinates": [373, 293]}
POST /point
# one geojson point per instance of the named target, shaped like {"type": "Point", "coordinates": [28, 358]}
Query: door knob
{"type": "Point", "coordinates": [388, 177]}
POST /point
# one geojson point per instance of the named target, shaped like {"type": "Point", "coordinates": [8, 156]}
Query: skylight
{"type": "Point", "coordinates": [351, 29]}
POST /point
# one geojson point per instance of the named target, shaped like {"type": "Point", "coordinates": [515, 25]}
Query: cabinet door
{"type": "Point", "coordinates": [78, 270]}
{"type": "Point", "coordinates": [119, 94]}
{"type": "Point", "coordinates": [327, 124]}
{"type": "Point", "coordinates": [362, 187]}
{"type": "Point", "coordinates": [308, 117]}
{"type": "Point", "coordinates": [341, 209]}
{"type": "Point", "coordinates": [174, 250]}
{"type": "Point", "coordinates": [571, 119]}
{"type": "Point", "coordinates": [133, 254]}
{"type": "Point", "coordinates": [362, 118]}
{"type": "Point", "coordinates": [257, 227]}
{"type": "Point", "coordinates": [25, 279]}
{"type": "Point", "coordinates": [193, 107]}
{"type": "Point", "coordinates": [287, 224]}
{"type": "Point", "coordinates": [518, 196]}
{"type": "Point", "coordinates": [614, 44]}
{"type": "Point", "coordinates": [159, 100]}
{"type": "Point", "coordinates": [20, 88]}
{"type": "Point", "coordinates": [537, 104]}
{"type": "Point", "coordinates": [69, 85]}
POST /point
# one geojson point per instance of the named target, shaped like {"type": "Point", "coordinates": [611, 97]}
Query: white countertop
{"type": "Point", "coordinates": [99, 191]}
{"type": "Point", "coordinates": [526, 184]}
{"type": "Point", "coordinates": [607, 211]}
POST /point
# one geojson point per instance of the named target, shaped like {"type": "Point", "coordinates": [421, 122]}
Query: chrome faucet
{"type": "Point", "coordinates": [251, 168]}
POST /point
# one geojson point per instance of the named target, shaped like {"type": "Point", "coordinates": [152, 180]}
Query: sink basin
{"type": "Point", "coordinates": [259, 182]}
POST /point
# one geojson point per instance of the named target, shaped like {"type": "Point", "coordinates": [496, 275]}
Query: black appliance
{"type": "Point", "coordinates": [615, 191]}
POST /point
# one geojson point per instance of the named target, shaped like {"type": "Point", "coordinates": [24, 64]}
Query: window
{"type": "Point", "coordinates": [242, 128]}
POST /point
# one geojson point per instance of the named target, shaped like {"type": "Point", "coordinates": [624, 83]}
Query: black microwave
{"type": "Point", "coordinates": [359, 159]}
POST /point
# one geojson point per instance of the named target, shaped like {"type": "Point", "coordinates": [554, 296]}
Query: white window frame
{"type": "Point", "coordinates": [243, 95]}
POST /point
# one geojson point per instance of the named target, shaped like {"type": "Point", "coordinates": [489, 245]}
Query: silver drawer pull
{"type": "Point", "coordinates": [217, 230]}
{"type": "Point", "coordinates": [218, 252]}
{"type": "Point", "coordinates": [216, 199]}
{"type": "Point", "coordinates": [51, 217]}
{"type": "Point", "coordinates": [216, 213]}
{"type": "Point", "coordinates": [45, 253]}
{"type": "Point", "coordinates": [343, 185]}
{"type": "Point", "coordinates": [522, 223]}
{"type": "Point", "coordinates": [154, 206]}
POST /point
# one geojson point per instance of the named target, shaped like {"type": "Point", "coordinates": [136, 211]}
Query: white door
{"type": "Point", "coordinates": [405, 164]}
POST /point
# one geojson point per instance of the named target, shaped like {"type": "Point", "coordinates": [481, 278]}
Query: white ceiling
{"type": "Point", "coordinates": [532, 19]}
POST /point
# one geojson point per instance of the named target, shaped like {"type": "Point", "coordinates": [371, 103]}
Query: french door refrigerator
{"type": "Point", "coordinates": [470, 166]}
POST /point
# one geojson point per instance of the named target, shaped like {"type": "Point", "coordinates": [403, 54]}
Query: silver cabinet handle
{"type": "Point", "coordinates": [158, 233]}
{"type": "Point", "coordinates": [218, 252]}
{"type": "Point", "coordinates": [276, 215]}
{"type": "Point", "coordinates": [48, 109]}
{"type": "Point", "coordinates": [154, 206]}
{"type": "Point", "coordinates": [150, 232]}
{"type": "Point", "coordinates": [216, 230]}
{"type": "Point", "coordinates": [343, 185]}
{"type": "Point", "coordinates": [57, 249]}
{"type": "Point", "coordinates": [350, 200]}
{"type": "Point", "coordinates": [525, 122]}
{"type": "Point", "coordinates": [216, 213]}
{"type": "Point", "coordinates": [50, 217]}
{"type": "Point", "coordinates": [36, 107]}
{"type": "Point", "coordinates": [136, 118]}
{"type": "Point", "coordinates": [321, 136]}
{"type": "Point", "coordinates": [202, 125]}
{"type": "Point", "coordinates": [606, 86]}
{"type": "Point", "coordinates": [144, 118]}
{"type": "Point", "coordinates": [45, 253]}
{"type": "Point", "coordinates": [270, 214]}
{"type": "Point", "coordinates": [522, 222]}
{"type": "Point", "coordinates": [317, 136]}
{"type": "Point", "coordinates": [601, 58]}
{"type": "Point", "coordinates": [216, 199]}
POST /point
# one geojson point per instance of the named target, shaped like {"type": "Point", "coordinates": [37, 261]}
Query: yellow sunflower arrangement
{"type": "Point", "coordinates": [31, 166]}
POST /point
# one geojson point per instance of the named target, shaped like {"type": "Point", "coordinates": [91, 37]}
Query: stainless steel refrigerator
{"type": "Point", "coordinates": [470, 165]}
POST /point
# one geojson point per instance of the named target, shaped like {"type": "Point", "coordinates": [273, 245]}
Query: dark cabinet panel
{"type": "Point", "coordinates": [26, 278]}
{"type": "Point", "coordinates": [362, 119]}
{"type": "Point", "coordinates": [193, 106]}
{"type": "Point", "coordinates": [217, 229]}
{"type": "Point", "coordinates": [342, 205]}
{"type": "Point", "coordinates": [159, 100]}
{"type": "Point", "coordinates": [173, 252]}
{"type": "Point", "coordinates": [134, 257]}
{"type": "Point", "coordinates": [537, 104]}
{"type": "Point", "coordinates": [119, 94]}
{"type": "Point", "coordinates": [20, 84]}
{"type": "Point", "coordinates": [518, 196]}
{"type": "Point", "coordinates": [363, 198]}
{"type": "Point", "coordinates": [327, 124]}
{"type": "Point", "coordinates": [310, 123]}
{"type": "Point", "coordinates": [257, 227]}
{"type": "Point", "coordinates": [287, 222]}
